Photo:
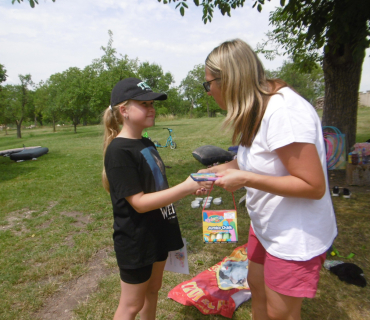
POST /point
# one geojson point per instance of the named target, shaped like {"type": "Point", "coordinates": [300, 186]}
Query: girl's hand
{"type": "Point", "coordinates": [231, 179]}
{"type": "Point", "coordinates": [197, 188]}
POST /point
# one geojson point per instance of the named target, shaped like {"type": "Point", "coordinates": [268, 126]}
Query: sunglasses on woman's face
{"type": "Point", "coordinates": [207, 84]}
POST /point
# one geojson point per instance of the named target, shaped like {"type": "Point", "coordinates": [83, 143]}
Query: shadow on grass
{"type": "Point", "coordinates": [10, 169]}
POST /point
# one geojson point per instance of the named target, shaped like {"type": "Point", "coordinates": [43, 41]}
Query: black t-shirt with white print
{"type": "Point", "coordinates": [133, 166]}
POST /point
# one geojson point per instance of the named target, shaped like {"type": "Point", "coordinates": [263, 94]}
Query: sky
{"type": "Point", "coordinates": [55, 36]}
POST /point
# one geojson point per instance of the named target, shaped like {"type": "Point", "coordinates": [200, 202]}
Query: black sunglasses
{"type": "Point", "coordinates": [207, 84]}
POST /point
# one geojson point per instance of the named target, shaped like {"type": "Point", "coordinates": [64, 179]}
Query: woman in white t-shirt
{"type": "Point", "coordinates": [281, 161]}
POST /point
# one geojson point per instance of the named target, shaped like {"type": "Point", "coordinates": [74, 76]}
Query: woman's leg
{"type": "Point", "coordinates": [131, 301]}
{"type": "Point", "coordinates": [256, 282]}
{"type": "Point", "coordinates": [151, 295]}
{"type": "Point", "coordinates": [282, 307]}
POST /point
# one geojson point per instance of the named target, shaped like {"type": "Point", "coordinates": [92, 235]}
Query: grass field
{"type": "Point", "coordinates": [56, 252]}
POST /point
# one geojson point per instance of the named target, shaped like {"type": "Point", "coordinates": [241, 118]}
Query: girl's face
{"type": "Point", "coordinates": [215, 90]}
{"type": "Point", "coordinates": [140, 113]}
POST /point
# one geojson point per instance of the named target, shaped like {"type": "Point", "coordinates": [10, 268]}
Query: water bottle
{"type": "Point", "coordinates": [350, 158]}
{"type": "Point", "coordinates": [364, 160]}
{"type": "Point", "coordinates": [359, 157]}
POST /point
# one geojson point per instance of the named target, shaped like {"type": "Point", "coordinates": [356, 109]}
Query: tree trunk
{"type": "Point", "coordinates": [208, 110]}
{"type": "Point", "coordinates": [54, 125]}
{"type": "Point", "coordinates": [35, 121]}
{"type": "Point", "coordinates": [19, 127]}
{"type": "Point", "coordinates": [342, 74]}
{"type": "Point", "coordinates": [75, 125]}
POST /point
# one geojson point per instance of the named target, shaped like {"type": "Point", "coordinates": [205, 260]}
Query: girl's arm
{"type": "Point", "coordinates": [306, 179]}
{"type": "Point", "coordinates": [144, 202]}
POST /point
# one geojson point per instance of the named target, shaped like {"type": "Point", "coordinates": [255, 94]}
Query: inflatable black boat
{"type": "Point", "coordinates": [7, 153]}
{"type": "Point", "coordinates": [29, 154]}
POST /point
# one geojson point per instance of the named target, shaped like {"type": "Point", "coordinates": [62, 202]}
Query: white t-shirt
{"type": "Point", "coordinates": [288, 228]}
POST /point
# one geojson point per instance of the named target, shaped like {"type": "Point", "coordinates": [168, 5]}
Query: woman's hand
{"type": "Point", "coordinates": [231, 179]}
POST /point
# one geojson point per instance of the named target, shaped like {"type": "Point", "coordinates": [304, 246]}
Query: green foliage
{"type": "Point", "coordinates": [80, 96]}
{"type": "Point", "coordinates": [3, 74]}
{"type": "Point", "coordinates": [209, 6]}
{"type": "Point", "coordinates": [193, 91]}
{"type": "Point", "coordinates": [161, 111]}
{"type": "Point", "coordinates": [309, 85]}
{"type": "Point", "coordinates": [32, 2]}
{"type": "Point", "coordinates": [306, 30]}
{"type": "Point", "coordinates": [16, 102]}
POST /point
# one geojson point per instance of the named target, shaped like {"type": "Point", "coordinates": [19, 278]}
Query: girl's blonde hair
{"type": "Point", "coordinates": [244, 87]}
{"type": "Point", "coordinates": [112, 119]}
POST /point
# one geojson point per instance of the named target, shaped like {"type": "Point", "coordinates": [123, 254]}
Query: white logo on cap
{"type": "Point", "coordinates": [143, 86]}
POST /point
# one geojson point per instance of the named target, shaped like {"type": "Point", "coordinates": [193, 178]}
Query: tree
{"type": "Point", "coordinates": [32, 2]}
{"type": "Point", "coordinates": [194, 92]}
{"type": "Point", "coordinates": [159, 81]}
{"type": "Point", "coordinates": [105, 72]}
{"type": "Point", "coordinates": [334, 32]}
{"type": "Point", "coordinates": [72, 96]}
{"type": "Point", "coordinates": [3, 74]}
{"type": "Point", "coordinates": [17, 101]}
{"type": "Point", "coordinates": [310, 85]}
{"type": "Point", "coordinates": [3, 119]}
{"type": "Point", "coordinates": [40, 101]}
{"type": "Point", "coordinates": [50, 89]}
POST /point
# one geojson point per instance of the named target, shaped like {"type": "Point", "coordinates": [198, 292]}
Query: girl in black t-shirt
{"type": "Point", "coordinates": [145, 222]}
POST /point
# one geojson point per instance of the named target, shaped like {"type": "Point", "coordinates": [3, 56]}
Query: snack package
{"type": "Point", "coordinates": [220, 289]}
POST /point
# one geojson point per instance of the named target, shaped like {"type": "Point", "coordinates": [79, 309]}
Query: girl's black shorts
{"type": "Point", "coordinates": [139, 275]}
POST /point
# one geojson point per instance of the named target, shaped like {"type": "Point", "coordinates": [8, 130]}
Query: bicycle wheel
{"type": "Point", "coordinates": [173, 145]}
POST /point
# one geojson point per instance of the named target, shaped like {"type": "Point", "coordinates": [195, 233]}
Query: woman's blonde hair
{"type": "Point", "coordinates": [244, 87]}
{"type": "Point", "coordinates": [112, 119]}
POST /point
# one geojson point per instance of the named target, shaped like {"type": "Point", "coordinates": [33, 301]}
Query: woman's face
{"type": "Point", "coordinates": [215, 90]}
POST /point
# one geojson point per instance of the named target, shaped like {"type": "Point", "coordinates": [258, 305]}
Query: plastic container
{"type": "Point", "coordinates": [354, 158]}
{"type": "Point", "coordinates": [364, 160]}
{"type": "Point", "coordinates": [360, 157]}
{"type": "Point", "coordinates": [350, 157]}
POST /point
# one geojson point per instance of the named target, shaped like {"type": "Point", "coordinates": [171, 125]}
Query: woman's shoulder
{"type": "Point", "coordinates": [287, 97]}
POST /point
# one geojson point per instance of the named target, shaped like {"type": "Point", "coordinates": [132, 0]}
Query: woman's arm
{"type": "Point", "coordinates": [222, 167]}
{"type": "Point", "coordinates": [306, 179]}
{"type": "Point", "coordinates": [144, 202]}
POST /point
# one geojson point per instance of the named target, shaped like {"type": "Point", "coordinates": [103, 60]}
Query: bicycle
{"type": "Point", "coordinates": [169, 141]}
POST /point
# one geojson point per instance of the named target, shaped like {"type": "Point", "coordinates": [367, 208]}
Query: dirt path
{"type": "Point", "coordinates": [61, 305]}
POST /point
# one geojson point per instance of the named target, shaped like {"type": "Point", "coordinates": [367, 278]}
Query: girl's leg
{"type": "Point", "coordinates": [256, 282]}
{"type": "Point", "coordinates": [151, 295]}
{"type": "Point", "coordinates": [282, 307]}
{"type": "Point", "coordinates": [131, 301]}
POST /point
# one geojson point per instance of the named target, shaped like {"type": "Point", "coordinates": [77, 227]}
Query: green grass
{"type": "Point", "coordinates": [55, 217]}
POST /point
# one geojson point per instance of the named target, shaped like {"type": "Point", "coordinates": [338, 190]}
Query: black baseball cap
{"type": "Point", "coordinates": [135, 89]}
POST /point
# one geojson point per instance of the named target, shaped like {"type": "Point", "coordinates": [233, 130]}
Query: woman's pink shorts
{"type": "Point", "coordinates": [287, 277]}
